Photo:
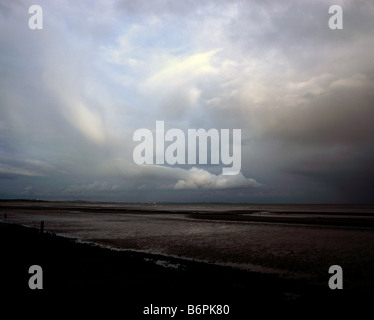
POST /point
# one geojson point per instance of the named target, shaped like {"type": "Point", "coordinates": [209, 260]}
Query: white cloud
{"type": "Point", "coordinates": [9, 169]}
{"type": "Point", "coordinates": [196, 178]}
{"type": "Point", "coordinates": [87, 120]}
{"type": "Point", "coordinates": [95, 186]}
{"type": "Point", "coordinates": [181, 70]}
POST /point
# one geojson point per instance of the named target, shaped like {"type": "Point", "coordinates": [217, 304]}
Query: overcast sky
{"type": "Point", "coordinates": [73, 94]}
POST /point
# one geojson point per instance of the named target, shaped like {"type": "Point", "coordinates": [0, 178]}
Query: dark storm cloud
{"type": "Point", "coordinates": [73, 94]}
{"type": "Point", "coordinates": [343, 116]}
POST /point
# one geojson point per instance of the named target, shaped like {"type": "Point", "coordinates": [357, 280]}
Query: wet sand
{"type": "Point", "coordinates": [89, 280]}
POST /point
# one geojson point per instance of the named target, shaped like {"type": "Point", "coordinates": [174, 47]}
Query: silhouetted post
{"type": "Point", "coordinates": [5, 217]}
{"type": "Point", "coordinates": [41, 226]}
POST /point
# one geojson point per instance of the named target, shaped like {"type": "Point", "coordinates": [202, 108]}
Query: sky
{"type": "Point", "coordinates": [73, 93]}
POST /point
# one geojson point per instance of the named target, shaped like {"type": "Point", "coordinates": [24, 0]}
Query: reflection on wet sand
{"type": "Point", "coordinates": [302, 243]}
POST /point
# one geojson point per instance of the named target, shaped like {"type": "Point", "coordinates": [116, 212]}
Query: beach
{"type": "Point", "coordinates": [89, 277]}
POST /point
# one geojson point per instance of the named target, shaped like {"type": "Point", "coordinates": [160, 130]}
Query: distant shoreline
{"type": "Point", "coordinates": [208, 203]}
{"type": "Point", "coordinates": [358, 216]}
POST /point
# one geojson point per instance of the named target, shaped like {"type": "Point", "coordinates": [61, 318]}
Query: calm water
{"type": "Point", "coordinates": [294, 250]}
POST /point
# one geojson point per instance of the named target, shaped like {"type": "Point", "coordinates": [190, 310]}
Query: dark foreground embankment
{"type": "Point", "coordinates": [87, 280]}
